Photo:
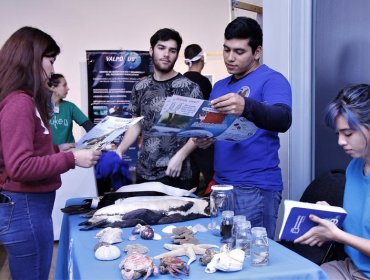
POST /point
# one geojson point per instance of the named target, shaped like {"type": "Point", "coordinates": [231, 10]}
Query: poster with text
{"type": "Point", "coordinates": [111, 76]}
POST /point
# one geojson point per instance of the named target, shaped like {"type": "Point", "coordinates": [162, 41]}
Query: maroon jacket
{"type": "Point", "coordinates": [28, 159]}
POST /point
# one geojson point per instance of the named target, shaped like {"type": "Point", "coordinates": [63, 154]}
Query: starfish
{"type": "Point", "coordinates": [190, 250]}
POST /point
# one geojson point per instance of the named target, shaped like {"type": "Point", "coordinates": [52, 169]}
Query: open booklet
{"type": "Point", "coordinates": [296, 221]}
{"type": "Point", "coordinates": [191, 117]}
{"type": "Point", "coordinates": [105, 132]}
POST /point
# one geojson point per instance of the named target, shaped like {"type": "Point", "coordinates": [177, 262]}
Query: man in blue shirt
{"type": "Point", "coordinates": [263, 96]}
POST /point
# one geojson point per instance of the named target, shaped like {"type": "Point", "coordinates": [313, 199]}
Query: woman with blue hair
{"type": "Point", "coordinates": [349, 115]}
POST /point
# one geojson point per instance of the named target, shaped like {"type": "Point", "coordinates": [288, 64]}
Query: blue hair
{"type": "Point", "coordinates": [353, 103]}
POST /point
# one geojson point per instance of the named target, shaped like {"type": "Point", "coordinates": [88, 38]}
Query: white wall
{"type": "Point", "coordinates": [80, 25]}
{"type": "Point", "coordinates": [287, 48]}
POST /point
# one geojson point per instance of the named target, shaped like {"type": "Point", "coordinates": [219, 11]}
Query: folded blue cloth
{"type": "Point", "coordinates": [110, 165]}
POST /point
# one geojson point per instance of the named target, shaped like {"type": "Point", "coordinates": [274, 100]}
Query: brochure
{"type": "Point", "coordinates": [105, 132]}
{"type": "Point", "coordinates": [296, 221]}
{"type": "Point", "coordinates": [191, 117]}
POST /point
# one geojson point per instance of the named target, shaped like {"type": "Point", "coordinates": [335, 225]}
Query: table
{"type": "Point", "coordinates": [76, 258]}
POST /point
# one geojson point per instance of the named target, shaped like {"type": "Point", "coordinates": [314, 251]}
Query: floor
{"type": "Point", "coordinates": [4, 270]}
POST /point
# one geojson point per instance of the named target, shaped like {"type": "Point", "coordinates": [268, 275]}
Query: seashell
{"type": "Point", "coordinates": [107, 253]}
{"type": "Point", "coordinates": [168, 229]}
{"type": "Point", "coordinates": [227, 261]}
{"type": "Point", "coordinates": [100, 244]}
{"type": "Point", "coordinates": [101, 232]}
{"type": "Point", "coordinates": [238, 255]}
{"type": "Point", "coordinates": [137, 229]}
{"type": "Point", "coordinates": [110, 235]}
{"type": "Point", "coordinates": [132, 237]}
{"type": "Point", "coordinates": [157, 236]}
{"type": "Point", "coordinates": [207, 256]}
{"type": "Point", "coordinates": [199, 228]}
{"type": "Point", "coordinates": [147, 233]}
{"type": "Point", "coordinates": [136, 248]}
{"type": "Point", "coordinates": [225, 248]}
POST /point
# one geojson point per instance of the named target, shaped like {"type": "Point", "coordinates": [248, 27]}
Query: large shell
{"type": "Point", "coordinates": [110, 235]}
{"type": "Point", "coordinates": [107, 253]}
{"type": "Point", "coordinates": [227, 261]}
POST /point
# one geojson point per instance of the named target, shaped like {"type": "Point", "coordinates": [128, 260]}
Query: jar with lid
{"type": "Point", "coordinates": [226, 226]}
{"type": "Point", "coordinates": [221, 199]}
{"type": "Point", "coordinates": [243, 237]}
{"type": "Point", "coordinates": [236, 220]}
{"type": "Point", "coordinates": [260, 247]}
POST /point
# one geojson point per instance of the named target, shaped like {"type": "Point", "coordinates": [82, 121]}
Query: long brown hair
{"type": "Point", "coordinates": [21, 65]}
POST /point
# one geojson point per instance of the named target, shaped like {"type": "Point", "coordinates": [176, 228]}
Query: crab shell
{"type": "Point", "coordinates": [135, 265]}
{"type": "Point", "coordinates": [172, 265]}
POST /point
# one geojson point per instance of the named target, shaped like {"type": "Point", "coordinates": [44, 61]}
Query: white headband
{"type": "Point", "coordinates": [195, 58]}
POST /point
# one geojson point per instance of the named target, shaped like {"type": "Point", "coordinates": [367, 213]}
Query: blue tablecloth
{"type": "Point", "coordinates": [76, 258]}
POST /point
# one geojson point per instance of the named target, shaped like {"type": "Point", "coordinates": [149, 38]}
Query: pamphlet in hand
{"type": "Point", "coordinates": [105, 132]}
{"type": "Point", "coordinates": [191, 117]}
{"type": "Point", "coordinates": [296, 221]}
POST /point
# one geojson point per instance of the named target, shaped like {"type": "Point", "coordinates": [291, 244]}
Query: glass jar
{"type": "Point", "coordinates": [226, 226]}
{"type": "Point", "coordinates": [243, 237]}
{"type": "Point", "coordinates": [221, 199]}
{"type": "Point", "coordinates": [260, 247]}
{"type": "Point", "coordinates": [236, 219]}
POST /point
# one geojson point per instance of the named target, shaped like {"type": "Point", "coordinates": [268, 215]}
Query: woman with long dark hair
{"type": "Point", "coordinates": [30, 166]}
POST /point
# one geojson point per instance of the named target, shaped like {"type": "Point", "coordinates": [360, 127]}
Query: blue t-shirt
{"type": "Point", "coordinates": [356, 201]}
{"type": "Point", "coordinates": [255, 161]}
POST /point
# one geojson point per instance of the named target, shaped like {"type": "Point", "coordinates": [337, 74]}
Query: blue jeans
{"type": "Point", "coordinates": [26, 231]}
{"type": "Point", "coordinates": [259, 206]}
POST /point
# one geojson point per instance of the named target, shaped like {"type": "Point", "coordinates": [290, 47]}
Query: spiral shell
{"type": "Point", "coordinates": [137, 229]}
{"type": "Point", "coordinates": [147, 233]}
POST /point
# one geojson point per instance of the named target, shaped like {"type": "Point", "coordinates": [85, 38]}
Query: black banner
{"type": "Point", "coordinates": [111, 75]}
